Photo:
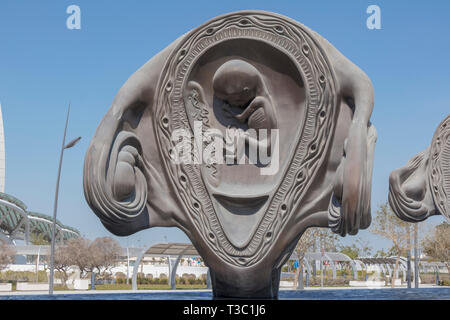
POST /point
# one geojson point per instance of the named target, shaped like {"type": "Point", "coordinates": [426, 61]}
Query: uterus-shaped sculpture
{"type": "Point", "coordinates": [283, 88]}
{"type": "Point", "coordinates": [421, 188]}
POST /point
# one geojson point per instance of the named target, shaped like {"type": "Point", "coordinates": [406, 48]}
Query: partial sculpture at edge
{"type": "Point", "coordinates": [246, 70]}
{"type": "Point", "coordinates": [422, 187]}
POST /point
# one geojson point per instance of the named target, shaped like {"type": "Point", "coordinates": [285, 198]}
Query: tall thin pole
{"type": "Point", "coordinates": [52, 254]}
{"type": "Point", "coordinates": [416, 256]}
{"type": "Point", "coordinates": [300, 276]}
{"type": "Point", "coordinates": [37, 264]}
{"type": "Point", "coordinates": [408, 262]}
{"type": "Point", "coordinates": [321, 262]}
{"type": "Point", "coordinates": [128, 264]}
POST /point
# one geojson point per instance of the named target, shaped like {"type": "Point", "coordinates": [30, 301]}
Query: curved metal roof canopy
{"type": "Point", "coordinates": [377, 260]}
{"type": "Point", "coordinates": [334, 256]}
{"type": "Point", "coordinates": [16, 223]}
{"type": "Point", "coordinates": [174, 253]}
{"type": "Point", "coordinates": [172, 249]}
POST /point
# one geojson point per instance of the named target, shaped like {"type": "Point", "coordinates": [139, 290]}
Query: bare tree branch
{"type": "Point", "coordinates": [7, 253]}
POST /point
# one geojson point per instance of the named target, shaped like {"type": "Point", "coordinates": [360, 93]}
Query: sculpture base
{"type": "Point", "coordinates": [262, 288]}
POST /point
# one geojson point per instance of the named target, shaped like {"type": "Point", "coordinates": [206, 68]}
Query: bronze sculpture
{"type": "Point", "coordinates": [282, 87]}
{"type": "Point", "coordinates": [422, 187]}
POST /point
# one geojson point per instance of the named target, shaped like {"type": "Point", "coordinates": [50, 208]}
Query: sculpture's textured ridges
{"type": "Point", "coordinates": [429, 172]}
{"type": "Point", "coordinates": [446, 170]}
{"type": "Point", "coordinates": [312, 142]}
{"type": "Point", "coordinates": [439, 172]}
{"type": "Point", "coordinates": [303, 110]}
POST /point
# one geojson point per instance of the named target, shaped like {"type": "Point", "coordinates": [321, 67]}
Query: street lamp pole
{"type": "Point", "coordinates": [416, 256]}
{"type": "Point", "coordinates": [128, 264]}
{"type": "Point", "coordinates": [52, 253]}
{"type": "Point", "coordinates": [408, 262]}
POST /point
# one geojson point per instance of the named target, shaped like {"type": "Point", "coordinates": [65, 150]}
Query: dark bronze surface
{"type": "Point", "coordinates": [422, 187]}
{"type": "Point", "coordinates": [249, 70]}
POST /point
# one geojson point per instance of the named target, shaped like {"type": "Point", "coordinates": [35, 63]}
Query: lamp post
{"type": "Point", "coordinates": [128, 262]}
{"type": "Point", "coordinates": [408, 262]}
{"type": "Point", "coordinates": [416, 256]}
{"type": "Point", "coordinates": [321, 267]}
{"type": "Point", "coordinates": [128, 265]}
{"type": "Point", "coordinates": [52, 253]}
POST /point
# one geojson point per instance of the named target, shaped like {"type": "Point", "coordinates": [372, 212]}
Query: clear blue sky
{"type": "Point", "coordinates": [43, 65]}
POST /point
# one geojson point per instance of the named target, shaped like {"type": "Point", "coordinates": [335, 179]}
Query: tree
{"type": "Point", "coordinates": [104, 253]}
{"type": "Point", "coordinates": [364, 247]}
{"type": "Point", "coordinates": [387, 225]}
{"type": "Point", "coordinates": [39, 239]}
{"type": "Point", "coordinates": [357, 249]}
{"type": "Point", "coordinates": [327, 240]}
{"type": "Point", "coordinates": [352, 251]}
{"type": "Point", "coordinates": [63, 260]}
{"type": "Point", "coordinates": [304, 244]}
{"type": "Point", "coordinates": [381, 254]}
{"type": "Point", "coordinates": [78, 251]}
{"type": "Point", "coordinates": [437, 245]}
{"type": "Point", "coordinates": [7, 253]}
{"type": "Point", "coordinates": [97, 256]}
{"type": "Point", "coordinates": [311, 239]}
